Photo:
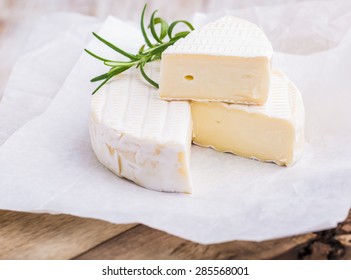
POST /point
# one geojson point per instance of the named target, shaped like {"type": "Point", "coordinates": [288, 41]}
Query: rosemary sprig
{"type": "Point", "coordinates": [148, 52]}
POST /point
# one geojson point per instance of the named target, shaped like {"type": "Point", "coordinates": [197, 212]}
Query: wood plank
{"type": "Point", "coordinates": [45, 236]}
{"type": "Point", "coordinates": [139, 243]}
{"type": "Point", "coordinates": [143, 242]}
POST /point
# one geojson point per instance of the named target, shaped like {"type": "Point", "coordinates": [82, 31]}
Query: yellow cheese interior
{"type": "Point", "coordinates": [247, 134]}
{"type": "Point", "coordinates": [215, 78]}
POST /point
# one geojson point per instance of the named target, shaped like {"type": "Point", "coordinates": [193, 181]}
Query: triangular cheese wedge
{"type": "Point", "coordinates": [226, 60]}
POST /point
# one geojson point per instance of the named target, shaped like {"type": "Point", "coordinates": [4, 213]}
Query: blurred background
{"type": "Point", "coordinates": [18, 16]}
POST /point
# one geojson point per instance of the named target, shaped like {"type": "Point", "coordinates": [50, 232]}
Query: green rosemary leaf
{"type": "Point", "coordinates": [147, 51]}
{"type": "Point", "coordinates": [175, 23]}
{"type": "Point", "coordinates": [100, 86]}
{"type": "Point", "coordinates": [143, 31]}
{"type": "Point", "coordinates": [117, 49]}
{"type": "Point", "coordinates": [152, 28]}
{"type": "Point", "coordinates": [157, 48]}
{"type": "Point", "coordinates": [181, 34]}
{"type": "Point", "coordinates": [141, 49]}
{"type": "Point", "coordinates": [113, 71]}
{"type": "Point", "coordinates": [156, 57]}
{"type": "Point", "coordinates": [146, 77]}
{"type": "Point", "coordinates": [161, 48]}
{"type": "Point", "coordinates": [96, 56]}
{"type": "Point", "coordinates": [164, 27]}
{"type": "Point", "coordinates": [118, 70]}
{"type": "Point", "coordinates": [108, 76]}
{"type": "Point", "coordinates": [119, 63]}
{"type": "Point", "coordinates": [99, 78]}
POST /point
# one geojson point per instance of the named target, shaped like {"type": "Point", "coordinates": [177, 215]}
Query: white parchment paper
{"type": "Point", "coordinates": [48, 165]}
{"type": "Point", "coordinates": [48, 55]}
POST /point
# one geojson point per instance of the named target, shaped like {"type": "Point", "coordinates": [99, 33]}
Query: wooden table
{"type": "Point", "coordinates": [44, 236]}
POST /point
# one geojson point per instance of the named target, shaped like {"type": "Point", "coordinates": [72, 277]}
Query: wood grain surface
{"type": "Point", "coordinates": [140, 242]}
{"type": "Point", "coordinates": [45, 236]}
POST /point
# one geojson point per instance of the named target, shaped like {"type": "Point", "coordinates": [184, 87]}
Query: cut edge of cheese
{"type": "Point", "coordinates": [140, 137]}
{"type": "Point", "coordinates": [188, 82]}
{"type": "Point", "coordinates": [284, 109]}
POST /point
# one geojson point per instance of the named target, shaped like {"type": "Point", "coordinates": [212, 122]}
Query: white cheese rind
{"type": "Point", "coordinates": [141, 137]}
{"type": "Point", "coordinates": [226, 60]}
{"type": "Point", "coordinates": [227, 36]}
{"type": "Point", "coordinates": [273, 132]}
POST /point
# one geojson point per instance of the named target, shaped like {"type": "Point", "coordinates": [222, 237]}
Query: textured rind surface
{"type": "Point", "coordinates": [284, 102]}
{"type": "Point", "coordinates": [298, 118]}
{"type": "Point", "coordinates": [141, 137]}
{"type": "Point", "coordinates": [228, 36]}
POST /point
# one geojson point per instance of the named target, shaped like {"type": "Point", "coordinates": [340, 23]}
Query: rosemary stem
{"type": "Point", "coordinates": [148, 52]}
